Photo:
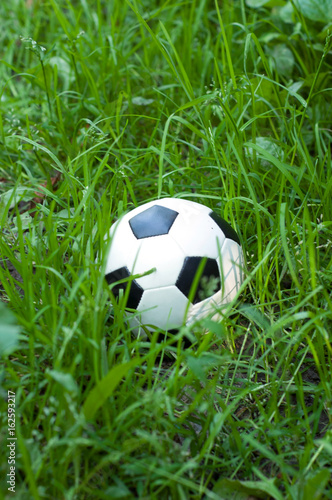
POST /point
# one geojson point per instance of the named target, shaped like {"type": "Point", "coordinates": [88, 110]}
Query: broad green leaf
{"type": "Point", "coordinates": [315, 10]}
{"type": "Point", "coordinates": [230, 489]}
{"type": "Point", "coordinates": [9, 332]}
{"type": "Point", "coordinates": [287, 170]}
{"type": "Point", "coordinates": [271, 147]}
{"type": "Point", "coordinates": [66, 213]}
{"type": "Point", "coordinates": [197, 366]}
{"type": "Point", "coordinates": [65, 379]}
{"type": "Point", "coordinates": [215, 327]}
{"type": "Point", "coordinates": [105, 387]}
{"type": "Point", "coordinates": [15, 195]}
{"type": "Point", "coordinates": [141, 101]}
{"type": "Point", "coordinates": [314, 487]}
{"type": "Point", "coordinates": [9, 336]}
{"type": "Point", "coordinates": [200, 365]}
{"type": "Point", "coordinates": [286, 13]}
{"type": "Point", "coordinates": [284, 59]}
{"type": "Point", "coordinates": [269, 3]}
{"type": "Point", "coordinates": [254, 315]}
{"type": "Point", "coordinates": [25, 221]}
{"type": "Point", "coordinates": [120, 491]}
{"type": "Point", "coordinates": [256, 3]}
{"type": "Point", "coordinates": [64, 69]}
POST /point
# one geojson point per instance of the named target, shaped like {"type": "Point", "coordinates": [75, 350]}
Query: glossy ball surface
{"type": "Point", "coordinates": [180, 260]}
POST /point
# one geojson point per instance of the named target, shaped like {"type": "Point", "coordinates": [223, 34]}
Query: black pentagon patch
{"type": "Point", "coordinates": [136, 291]}
{"type": "Point", "coordinates": [154, 221]}
{"type": "Point", "coordinates": [187, 276]}
{"type": "Point", "coordinates": [225, 227]}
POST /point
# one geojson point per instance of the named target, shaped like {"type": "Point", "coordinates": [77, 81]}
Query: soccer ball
{"type": "Point", "coordinates": [179, 258]}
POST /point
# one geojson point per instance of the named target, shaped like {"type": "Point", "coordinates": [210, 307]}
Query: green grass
{"type": "Point", "coordinates": [105, 106]}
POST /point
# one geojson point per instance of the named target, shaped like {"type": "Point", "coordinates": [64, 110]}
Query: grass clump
{"type": "Point", "coordinates": [109, 105]}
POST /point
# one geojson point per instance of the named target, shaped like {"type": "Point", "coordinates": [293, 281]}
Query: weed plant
{"type": "Point", "coordinates": [104, 106]}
